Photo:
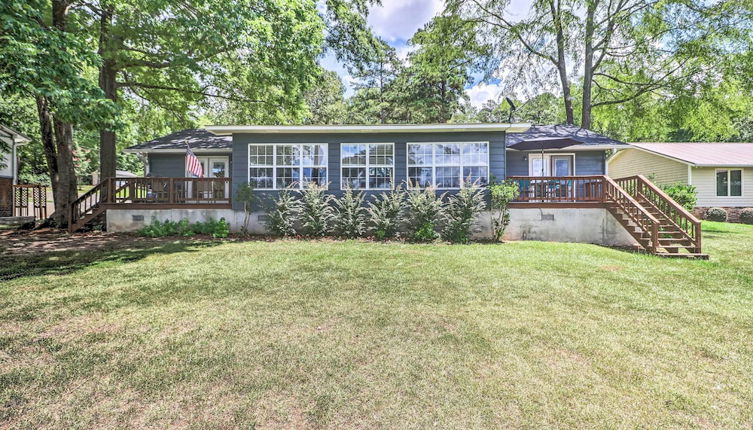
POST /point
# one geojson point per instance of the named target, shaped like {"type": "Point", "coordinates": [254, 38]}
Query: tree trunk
{"type": "Point", "coordinates": [50, 153]}
{"type": "Point", "coordinates": [585, 120]}
{"type": "Point", "coordinates": [107, 74]}
{"type": "Point", "coordinates": [562, 63]}
{"type": "Point", "coordinates": [68, 185]}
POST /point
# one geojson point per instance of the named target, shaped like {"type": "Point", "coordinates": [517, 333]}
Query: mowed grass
{"type": "Point", "coordinates": [295, 334]}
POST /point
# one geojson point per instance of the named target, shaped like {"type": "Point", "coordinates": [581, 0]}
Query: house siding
{"type": "Point", "coordinates": [586, 162]}
{"type": "Point", "coordinates": [240, 152]}
{"type": "Point", "coordinates": [638, 162]}
{"type": "Point", "coordinates": [704, 179]}
{"type": "Point", "coordinates": [173, 165]}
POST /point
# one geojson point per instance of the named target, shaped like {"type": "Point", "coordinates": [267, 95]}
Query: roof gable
{"type": "Point", "coordinates": [197, 139]}
{"type": "Point", "coordinates": [562, 131]}
{"type": "Point", "coordinates": [703, 154]}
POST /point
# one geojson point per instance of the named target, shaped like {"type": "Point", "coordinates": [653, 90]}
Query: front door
{"type": "Point", "coordinates": [550, 165]}
{"type": "Point", "coordinates": [214, 167]}
{"type": "Point", "coordinates": [561, 165]}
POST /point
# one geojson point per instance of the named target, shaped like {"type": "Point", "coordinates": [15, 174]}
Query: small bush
{"type": "Point", "coordinates": [424, 211]}
{"type": "Point", "coordinates": [385, 214]}
{"type": "Point", "coordinates": [316, 212]}
{"type": "Point", "coordinates": [501, 194]}
{"type": "Point", "coordinates": [245, 195]}
{"type": "Point", "coordinates": [461, 211]}
{"type": "Point", "coordinates": [283, 213]}
{"type": "Point", "coordinates": [184, 228]}
{"type": "Point", "coordinates": [350, 215]}
{"type": "Point", "coordinates": [212, 228]}
{"type": "Point", "coordinates": [683, 194]}
{"type": "Point", "coordinates": [716, 214]}
{"type": "Point", "coordinates": [746, 216]}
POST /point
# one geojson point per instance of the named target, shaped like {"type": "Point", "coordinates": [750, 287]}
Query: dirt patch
{"type": "Point", "coordinates": [36, 242]}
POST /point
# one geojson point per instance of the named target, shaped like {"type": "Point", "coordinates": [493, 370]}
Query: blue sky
{"type": "Point", "coordinates": [396, 21]}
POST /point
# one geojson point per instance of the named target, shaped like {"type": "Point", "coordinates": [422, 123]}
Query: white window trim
{"type": "Point", "coordinates": [434, 165]}
{"type": "Point", "coordinates": [367, 165]}
{"type": "Point", "coordinates": [729, 183]}
{"type": "Point", "coordinates": [549, 155]}
{"type": "Point", "coordinates": [274, 165]}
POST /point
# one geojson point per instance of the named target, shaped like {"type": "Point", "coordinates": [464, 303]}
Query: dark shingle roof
{"type": "Point", "coordinates": [582, 135]}
{"type": "Point", "coordinates": [197, 138]}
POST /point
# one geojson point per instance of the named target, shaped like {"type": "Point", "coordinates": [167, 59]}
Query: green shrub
{"type": "Point", "coordinates": [184, 228]}
{"type": "Point", "coordinates": [746, 216]}
{"type": "Point", "coordinates": [716, 214]}
{"type": "Point", "coordinates": [245, 195]}
{"type": "Point", "coordinates": [350, 214]}
{"type": "Point", "coordinates": [460, 212]}
{"type": "Point", "coordinates": [385, 214]}
{"type": "Point", "coordinates": [316, 212]}
{"type": "Point", "coordinates": [684, 194]}
{"type": "Point", "coordinates": [212, 228]}
{"type": "Point", "coordinates": [501, 194]}
{"type": "Point", "coordinates": [283, 213]}
{"type": "Point", "coordinates": [423, 210]}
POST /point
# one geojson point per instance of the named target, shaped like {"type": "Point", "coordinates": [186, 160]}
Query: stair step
{"type": "Point", "coordinates": [689, 255]}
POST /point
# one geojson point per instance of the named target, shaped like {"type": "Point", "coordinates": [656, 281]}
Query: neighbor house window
{"type": "Point", "coordinates": [277, 166]}
{"type": "Point", "coordinates": [448, 165]}
{"type": "Point", "coordinates": [367, 166]}
{"type": "Point", "coordinates": [729, 182]}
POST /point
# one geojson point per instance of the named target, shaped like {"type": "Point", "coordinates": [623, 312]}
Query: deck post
{"type": "Point", "coordinates": [170, 191]}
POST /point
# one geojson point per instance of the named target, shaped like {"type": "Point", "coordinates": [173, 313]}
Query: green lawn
{"type": "Point", "coordinates": [298, 334]}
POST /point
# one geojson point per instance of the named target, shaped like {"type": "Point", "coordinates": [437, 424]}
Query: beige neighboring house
{"type": "Point", "coordinates": [721, 172]}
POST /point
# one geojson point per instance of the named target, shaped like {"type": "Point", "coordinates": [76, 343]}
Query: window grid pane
{"type": "Point", "coordinates": [353, 177]}
{"type": "Point", "coordinates": [722, 183]}
{"type": "Point", "coordinates": [420, 154]}
{"type": "Point", "coordinates": [735, 183]}
{"type": "Point", "coordinates": [380, 178]}
{"type": "Point", "coordinates": [381, 154]}
{"type": "Point", "coordinates": [277, 166]}
{"type": "Point", "coordinates": [367, 166]}
{"type": "Point", "coordinates": [448, 165]}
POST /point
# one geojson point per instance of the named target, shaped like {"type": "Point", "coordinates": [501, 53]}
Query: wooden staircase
{"type": "Point", "coordinates": [89, 206]}
{"type": "Point", "coordinates": [659, 224]}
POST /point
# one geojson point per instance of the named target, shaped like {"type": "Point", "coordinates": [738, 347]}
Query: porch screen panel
{"type": "Point", "coordinates": [277, 166]}
{"type": "Point", "coordinates": [448, 165]}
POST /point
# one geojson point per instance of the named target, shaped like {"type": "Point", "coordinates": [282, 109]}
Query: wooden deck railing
{"type": "Point", "coordinates": [643, 189]}
{"type": "Point", "coordinates": [170, 191]}
{"type": "Point", "coordinates": [157, 193]}
{"type": "Point", "coordinates": [560, 189]}
{"type": "Point", "coordinates": [30, 200]}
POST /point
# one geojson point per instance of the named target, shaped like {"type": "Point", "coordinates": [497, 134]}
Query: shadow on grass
{"type": "Point", "coordinates": [66, 262]}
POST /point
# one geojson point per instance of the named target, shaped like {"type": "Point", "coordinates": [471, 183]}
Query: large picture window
{"type": "Point", "coordinates": [729, 183]}
{"type": "Point", "coordinates": [448, 165]}
{"type": "Point", "coordinates": [367, 166]}
{"type": "Point", "coordinates": [281, 165]}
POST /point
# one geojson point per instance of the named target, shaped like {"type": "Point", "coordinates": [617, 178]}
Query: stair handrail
{"type": "Point", "coordinates": [79, 207]}
{"type": "Point", "coordinates": [675, 213]}
{"type": "Point", "coordinates": [635, 211]}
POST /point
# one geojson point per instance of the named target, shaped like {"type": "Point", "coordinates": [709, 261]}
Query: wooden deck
{"type": "Point", "coordinates": [149, 193]}
{"type": "Point", "coordinates": [659, 224]}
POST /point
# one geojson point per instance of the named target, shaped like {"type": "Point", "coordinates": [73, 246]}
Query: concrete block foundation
{"type": "Point", "coordinates": [582, 225]}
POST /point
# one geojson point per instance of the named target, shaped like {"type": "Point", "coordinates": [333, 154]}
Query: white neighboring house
{"type": "Point", "coordinates": [9, 159]}
{"type": "Point", "coordinates": [721, 172]}
{"type": "Point", "coordinates": [9, 167]}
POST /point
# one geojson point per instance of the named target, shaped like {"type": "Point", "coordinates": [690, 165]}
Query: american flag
{"type": "Point", "coordinates": [193, 166]}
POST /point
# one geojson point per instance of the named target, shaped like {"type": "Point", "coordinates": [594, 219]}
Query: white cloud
{"type": "Point", "coordinates": [398, 19]}
{"type": "Point", "coordinates": [482, 92]}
